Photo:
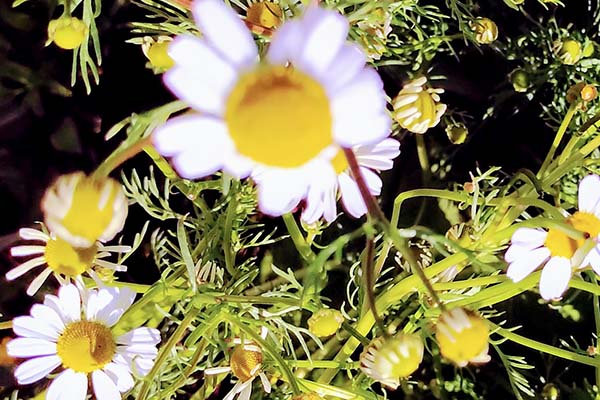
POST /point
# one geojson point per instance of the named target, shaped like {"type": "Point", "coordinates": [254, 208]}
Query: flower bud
{"type": "Point", "coordinates": [416, 108]}
{"type": "Point", "coordinates": [157, 52]}
{"type": "Point", "coordinates": [568, 51]}
{"type": "Point", "coordinates": [67, 32]}
{"type": "Point", "coordinates": [387, 360]}
{"type": "Point", "coordinates": [457, 133]}
{"type": "Point", "coordinates": [520, 80]}
{"type": "Point", "coordinates": [486, 30]}
{"type": "Point", "coordinates": [463, 337]}
{"type": "Point", "coordinates": [325, 322]}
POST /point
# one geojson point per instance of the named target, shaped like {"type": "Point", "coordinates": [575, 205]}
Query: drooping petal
{"type": "Point", "coordinates": [522, 267]}
{"type": "Point", "coordinates": [24, 268]}
{"type": "Point", "coordinates": [225, 32]}
{"type": "Point", "coordinates": [69, 385]}
{"type": "Point", "coordinates": [38, 281]}
{"type": "Point", "coordinates": [555, 278]}
{"type": "Point", "coordinates": [104, 387]}
{"type": "Point", "coordinates": [35, 369]}
{"type": "Point", "coordinates": [589, 195]}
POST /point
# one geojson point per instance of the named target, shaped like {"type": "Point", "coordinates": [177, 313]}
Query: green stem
{"type": "Point", "coordinates": [594, 280]}
{"type": "Point", "coordinates": [557, 139]}
{"type": "Point", "coordinates": [227, 232]}
{"type": "Point", "coordinates": [119, 157]}
{"type": "Point", "coordinates": [296, 235]}
{"type": "Point", "coordinates": [423, 158]}
{"type": "Point", "coordinates": [544, 348]}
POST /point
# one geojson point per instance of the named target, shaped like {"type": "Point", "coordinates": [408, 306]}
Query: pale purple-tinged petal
{"type": "Point", "coordinates": [35, 328]}
{"type": "Point", "coordinates": [36, 368]}
{"type": "Point", "coordinates": [279, 191]}
{"type": "Point", "coordinates": [285, 44]}
{"type": "Point", "coordinates": [522, 267]}
{"type": "Point", "coordinates": [48, 315]}
{"type": "Point", "coordinates": [199, 91]}
{"type": "Point", "coordinates": [589, 195]}
{"type": "Point", "coordinates": [69, 385]}
{"type": "Point", "coordinates": [518, 251]}
{"type": "Point", "coordinates": [529, 236]}
{"type": "Point", "coordinates": [372, 180]}
{"type": "Point", "coordinates": [140, 336]}
{"type": "Point", "coordinates": [555, 278]}
{"type": "Point", "coordinates": [30, 347]}
{"type": "Point", "coordinates": [70, 302]}
{"type": "Point", "coordinates": [120, 375]}
{"type": "Point", "coordinates": [104, 387]}
{"type": "Point", "coordinates": [349, 62]}
{"type": "Point", "coordinates": [378, 156]}
{"type": "Point", "coordinates": [351, 199]}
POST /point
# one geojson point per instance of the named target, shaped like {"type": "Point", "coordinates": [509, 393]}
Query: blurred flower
{"type": "Point", "coordinates": [74, 330]}
{"type": "Point", "coordinates": [263, 17]}
{"type": "Point", "coordinates": [457, 133]}
{"type": "Point", "coordinates": [486, 30]}
{"type": "Point", "coordinates": [325, 322]}
{"type": "Point", "coordinates": [568, 51]}
{"type": "Point", "coordinates": [60, 258]}
{"type": "Point", "coordinates": [281, 120]}
{"type": "Point", "coordinates": [81, 209]}
{"type": "Point", "coordinates": [417, 108]}
{"type": "Point", "coordinates": [376, 27]}
{"type": "Point", "coordinates": [559, 253]}
{"type": "Point", "coordinates": [67, 32]}
{"type": "Point", "coordinates": [387, 360]}
{"type": "Point", "coordinates": [463, 337]}
{"type": "Point", "coordinates": [155, 51]}
{"type": "Point", "coordinates": [581, 93]}
{"type": "Point", "coordinates": [5, 359]}
{"type": "Point", "coordinates": [245, 364]}
{"type": "Point", "coordinates": [323, 193]}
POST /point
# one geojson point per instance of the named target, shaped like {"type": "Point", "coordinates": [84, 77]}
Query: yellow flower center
{"type": "Point", "coordinates": [65, 259]}
{"type": "Point", "coordinates": [560, 244]}
{"type": "Point", "coordinates": [91, 209]}
{"type": "Point", "coordinates": [325, 322]}
{"type": "Point", "coordinates": [424, 105]}
{"type": "Point", "coordinates": [461, 336]}
{"type": "Point", "coordinates": [279, 116]}
{"type": "Point", "coordinates": [585, 222]}
{"type": "Point", "coordinates": [158, 55]}
{"type": "Point", "coordinates": [399, 357]}
{"type": "Point", "coordinates": [67, 33]}
{"type": "Point", "coordinates": [86, 346]}
{"type": "Point", "coordinates": [245, 363]}
{"type": "Point", "coordinates": [265, 14]}
{"type": "Point", "coordinates": [339, 162]}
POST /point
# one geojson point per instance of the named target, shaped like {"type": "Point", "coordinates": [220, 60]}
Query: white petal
{"type": "Point", "coordinates": [35, 327]}
{"type": "Point", "coordinates": [33, 234]}
{"type": "Point", "coordinates": [265, 382]}
{"type": "Point", "coordinates": [589, 194]}
{"type": "Point", "coordinates": [38, 281]}
{"type": "Point", "coordinates": [25, 267]}
{"type": "Point", "coordinates": [70, 302]}
{"type": "Point", "coordinates": [324, 33]}
{"type": "Point", "coordinates": [372, 180]}
{"type": "Point", "coordinates": [238, 387]}
{"type": "Point", "coordinates": [518, 251]}
{"type": "Point", "coordinates": [318, 199]}
{"type": "Point", "coordinates": [69, 385]}
{"type": "Point", "coordinates": [107, 305]}
{"type": "Point", "coordinates": [593, 259]}
{"type": "Point", "coordinates": [48, 315]}
{"type": "Point", "coordinates": [279, 191]}
{"type": "Point", "coordinates": [30, 347]}
{"type": "Point", "coordinates": [120, 375]}
{"type": "Point", "coordinates": [522, 267]}
{"type": "Point", "coordinates": [349, 62]}
{"type": "Point", "coordinates": [555, 278]}
{"type": "Point", "coordinates": [378, 156]}
{"type": "Point", "coordinates": [35, 369]}
{"type": "Point", "coordinates": [529, 236]}
{"type": "Point", "coordinates": [351, 198]}
{"type": "Point", "coordinates": [238, 166]}
{"type": "Point", "coordinates": [144, 350]}
{"type": "Point", "coordinates": [104, 387]}
{"type": "Point", "coordinates": [140, 336]}
{"type": "Point", "coordinates": [22, 251]}
{"type": "Point", "coordinates": [225, 31]}
{"type": "Point", "coordinates": [245, 393]}
{"type": "Point", "coordinates": [285, 44]}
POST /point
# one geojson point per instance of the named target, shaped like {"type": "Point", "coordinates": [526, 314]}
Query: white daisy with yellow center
{"type": "Point", "coordinates": [559, 253]}
{"type": "Point", "coordinates": [82, 209]}
{"type": "Point", "coordinates": [61, 259]}
{"type": "Point", "coordinates": [282, 119]}
{"type": "Point", "coordinates": [245, 363]}
{"type": "Point", "coordinates": [417, 108]}
{"type": "Point", "coordinates": [73, 330]}
{"type": "Point", "coordinates": [463, 337]}
{"type": "Point", "coordinates": [323, 193]}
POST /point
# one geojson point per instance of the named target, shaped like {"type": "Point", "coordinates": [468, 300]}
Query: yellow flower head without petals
{"type": "Point", "coordinates": [82, 209]}
{"type": "Point", "coordinates": [417, 108]}
{"type": "Point", "coordinates": [486, 30]}
{"type": "Point", "coordinates": [463, 337]}
{"type": "Point", "coordinates": [325, 322]}
{"type": "Point", "coordinates": [67, 32]}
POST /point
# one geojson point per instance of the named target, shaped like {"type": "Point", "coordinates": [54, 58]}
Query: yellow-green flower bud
{"type": "Point", "coordinates": [416, 108]}
{"type": "Point", "coordinates": [520, 80]}
{"type": "Point", "coordinates": [67, 32]}
{"type": "Point", "coordinates": [463, 337]}
{"type": "Point", "coordinates": [157, 52]}
{"type": "Point", "coordinates": [387, 360]}
{"type": "Point", "coordinates": [568, 51]}
{"type": "Point", "coordinates": [325, 322]}
{"type": "Point", "coordinates": [486, 30]}
{"type": "Point", "coordinates": [457, 133]}
{"type": "Point", "coordinates": [588, 49]}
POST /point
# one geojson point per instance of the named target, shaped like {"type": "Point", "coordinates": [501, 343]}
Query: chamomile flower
{"type": "Point", "coordinates": [463, 337]}
{"type": "Point", "coordinates": [559, 253]}
{"type": "Point", "coordinates": [245, 363]}
{"type": "Point", "coordinates": [417, 108]}
{"type": "Point", "coordinates": [82, 209]}
{"type": "Point", "coordinates": [323, 193]}
{"type": "Point", "coordinates": [73, 330]}
{"type": "Point", "coordinates": [280, 120]}
{"type": "Point", "coordinates": [60, 258]}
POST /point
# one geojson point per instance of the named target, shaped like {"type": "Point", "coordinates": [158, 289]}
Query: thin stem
{"type": "Point", "coordinates": [423, 158]}
{"type": "Point", "coordinates": [296, 235]}
{"type": "Point", "coordinates": [119, 157]}
{"type": "Point", "coordinates": [557, 139]}
{"type": "Point", "coordinates": [370, 283]}
{"type": "Point", "coordinates": [594, 280]}
{"type": "Point", "coordinates": [227, 231]}
{"type": "Point", "coordinates": [5, 325]}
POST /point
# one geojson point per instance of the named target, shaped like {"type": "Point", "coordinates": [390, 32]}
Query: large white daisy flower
{"type": "Point", "coordinates": [60, 258]}
{"type": "Point", "coordinates": [280, 120]}
{"type": "Point", "coordinates": [76, 333]}
{"type": "Point", "coordinates": [559, 253]}
{"type": "Point", "coordinates": [323, 193]}
{"type": "Point", "coordinates": [245, 363]}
